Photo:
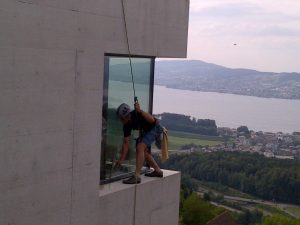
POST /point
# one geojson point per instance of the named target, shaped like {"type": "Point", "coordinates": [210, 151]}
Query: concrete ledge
{"type": "Point", "coordinates": [157, 201]}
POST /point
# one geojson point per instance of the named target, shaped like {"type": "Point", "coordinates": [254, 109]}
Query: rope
{"type": "Point", "coordinates": [129, 54]}
{"type": "Point", "coordinates": [135, 99]}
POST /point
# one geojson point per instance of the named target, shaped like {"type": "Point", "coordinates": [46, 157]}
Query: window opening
{"type": "Point", "coordinates": [117, 88]}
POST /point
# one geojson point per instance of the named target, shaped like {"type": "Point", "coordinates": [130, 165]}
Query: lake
{"type": "Point", "coordinates": [229, 110]}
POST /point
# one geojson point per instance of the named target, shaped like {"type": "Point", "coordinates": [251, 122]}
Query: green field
{"type": "Point", "coordinates": [219, 189]}
{"type": "Point", "coordinates": [225, 190]}
{"type": "Point", "coordinates": [192, 135]}
{"type": "Point", "coordinates": [294, 210]}
{"type": "Point", "coordinates": [175, 143]}
{"type": "Point", "coordinates": [272, 210]}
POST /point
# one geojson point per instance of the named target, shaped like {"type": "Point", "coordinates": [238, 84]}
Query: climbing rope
{"type": "Point", "coordinates": [128, 48]}
{"type": "Point", "coordinates": [135, 99]}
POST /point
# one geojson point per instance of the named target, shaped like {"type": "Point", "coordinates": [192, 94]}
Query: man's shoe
{"type": "Point", "coordinates": [132, 180]}
{"type": "Point", "coordinates": [154, 174]}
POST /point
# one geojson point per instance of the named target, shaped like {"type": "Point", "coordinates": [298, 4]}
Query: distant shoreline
{"type": "Point", "coordinates": [198, 75]}
{"type": "Point", "coordinates": [228, 93]}
{"type": "Point", "coordinates": [225, 92]}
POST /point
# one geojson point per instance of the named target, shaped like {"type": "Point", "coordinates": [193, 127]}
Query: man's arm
{"type": "Point", "coordinates": [124, 151]}
{"type": "Point", "coordinates": [147, 116]}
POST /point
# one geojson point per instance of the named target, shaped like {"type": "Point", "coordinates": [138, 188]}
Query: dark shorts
{"type": "Point", "coordinates": [151, 136]}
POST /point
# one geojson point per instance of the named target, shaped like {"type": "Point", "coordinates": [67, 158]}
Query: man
{"type": "Point", "coordinates": [150, 130]}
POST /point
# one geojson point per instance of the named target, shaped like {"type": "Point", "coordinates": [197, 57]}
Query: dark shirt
{"type": "Point", "coordinates": [137, 122]}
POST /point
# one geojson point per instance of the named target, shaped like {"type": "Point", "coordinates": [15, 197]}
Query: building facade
{"type": "Point", "coordinates": [52, 68]}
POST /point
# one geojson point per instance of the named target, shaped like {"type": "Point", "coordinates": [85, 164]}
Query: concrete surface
{"type": "Point", "coordinates": [51, 81]}
{"type": "Point", "coordinates": [157, 201]}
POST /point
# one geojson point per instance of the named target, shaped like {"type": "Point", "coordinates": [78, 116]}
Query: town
{"type": "Point", "coordinates": [278, 145]}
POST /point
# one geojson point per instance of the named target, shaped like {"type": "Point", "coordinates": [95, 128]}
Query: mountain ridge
{"type": "Point", "coordinates": [197, 75]}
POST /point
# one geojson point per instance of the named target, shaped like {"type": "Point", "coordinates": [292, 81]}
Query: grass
{"type": "Point", "coordinates": [175, 143]}
{"type": "Point", "coordinates": [225, 190]}
{"type": "Point", "coordinates": [193, 135]}
{"type": "Point", "coordinates": [178, 139]}
{"type": "Point", "coordinates": [294, 210]}
{"type": "Point", "coordinates": [271, 209]}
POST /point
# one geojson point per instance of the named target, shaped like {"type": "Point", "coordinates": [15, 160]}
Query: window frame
{"type": "Point", "coordinates": [103, 172]}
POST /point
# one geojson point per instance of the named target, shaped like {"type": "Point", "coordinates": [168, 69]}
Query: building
{"type": "Point", "coordinates": [56, 60]}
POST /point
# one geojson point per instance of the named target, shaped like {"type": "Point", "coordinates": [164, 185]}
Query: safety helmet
{"type": "Point", "coordinates": [123, 110]}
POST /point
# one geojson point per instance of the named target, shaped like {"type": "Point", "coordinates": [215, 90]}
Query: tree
{"type": "Point", "coordinates": [280, 220]}
{"type": "Point", "coordinates": [188, 185]}
{"type": "Point", "coordinates": [244, 129]}
{"type": "Point", "coordinates": [254, 174]}
{"type": "Point", "coordinates": [196, 211]}
{"type": "Point", "coordinates": [206, 197]}
{"type": "Point", "coordinates": [187, 124]}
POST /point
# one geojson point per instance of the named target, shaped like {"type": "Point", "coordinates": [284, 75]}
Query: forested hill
{"type": "Point", "coordinates": [271, 179]}
{"type": "Point", "coordinates": [183, 123]}
{"type": "Point", "coordinates": [201, 76]}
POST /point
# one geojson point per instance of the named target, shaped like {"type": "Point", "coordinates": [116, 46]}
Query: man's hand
{"type": "Point", "coordinates": [118, 163]}
{"type": "Point", "coordinates": [137, 107]}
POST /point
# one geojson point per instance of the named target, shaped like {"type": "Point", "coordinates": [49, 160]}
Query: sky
{"type": "Point", "coordinates": [256, 34]}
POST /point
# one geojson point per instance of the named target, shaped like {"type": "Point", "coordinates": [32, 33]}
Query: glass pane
{"type": "Point", "coordinates": [119, 89]}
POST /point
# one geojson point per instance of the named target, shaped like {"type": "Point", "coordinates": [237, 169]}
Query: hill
{"type": "Point", "coordinates": [197, 75]}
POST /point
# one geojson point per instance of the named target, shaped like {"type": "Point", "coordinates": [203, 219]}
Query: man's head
{"type": "Point", "coordinates": [123, 112]}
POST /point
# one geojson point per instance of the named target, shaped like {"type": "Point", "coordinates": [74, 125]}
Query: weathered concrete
{"type": "Point", "coordinates": [51, 80]}
{"type": "Point", "coordinates": [157, 201]}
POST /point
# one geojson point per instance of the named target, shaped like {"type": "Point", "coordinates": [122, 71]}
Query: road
{"type": "Point", "coordinates": [278, 205]}
{"type": "Point", "coordinates": [281, 206]}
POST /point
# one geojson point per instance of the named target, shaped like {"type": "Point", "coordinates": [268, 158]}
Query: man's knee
{"type": "Point", "coordinates": [141, 146]}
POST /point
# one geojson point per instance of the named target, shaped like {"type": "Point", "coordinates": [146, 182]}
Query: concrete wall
{"type": "Point", "coordinates": [51, 78]}
{"type": "Point", "coordinates": [157, 201]}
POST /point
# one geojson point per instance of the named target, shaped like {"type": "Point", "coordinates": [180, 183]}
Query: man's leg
{"type": "Point", "coordinates": [140, 158]}
{"type": "Point", "coordinates": [152, 163]}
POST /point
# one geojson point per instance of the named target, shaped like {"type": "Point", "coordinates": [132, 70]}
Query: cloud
{"type": "Point", "coordinates": [243, 19]}
{"type": "Point", "coordinates": [291, 7]}
{"type": "Point", "coordinates": [229, 10]}
{"type": "Point", "coordinates": [265, 28]}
